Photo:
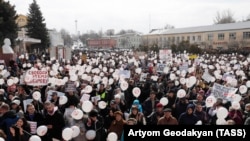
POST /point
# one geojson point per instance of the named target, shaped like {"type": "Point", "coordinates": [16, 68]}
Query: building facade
{"type": "Point", "coordinates": [104, 43]}
{"type": "Point", "coordinates": [24, 41]}
{"type": "Point", "coordinates": [220, 36]}
{"type": "Point", "coordinates": [128, 41]}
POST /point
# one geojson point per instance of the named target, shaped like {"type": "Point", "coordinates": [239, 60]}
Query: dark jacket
{"type": "Point", "coordinates": [57, 121]}
{"type": "Point", "coordinates": [6, 121]}
{"type": "Point", "coordinates": [188, 119]}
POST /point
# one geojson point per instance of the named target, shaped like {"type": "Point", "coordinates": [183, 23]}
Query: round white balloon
{"type": "Point", "coordinates": [243, 89]}
{"type": "Point", "coordinates": [102, 104]}
{"type": "Point", "coordinates": [87, 106]}
{"type": "Point", "coordinates": [112, 136]}
{"type": "Point", "coordinates": [41, 130]}
{"type": "Point", "coordinates": [1, 81]}
{"type": "Point", "coordinates": [77, 114]}
{"type": "Point", "coordinates": [181, 93]}
{"type": "Point", "coordinates": [88, 89]}
{"type": "Point", "coordinates": [210, 100]}
{"type": "Point", "coordinates": [90, 134]}
{"type": "Point", "coordinates": [124, 85]}
{"type": "Point", "coordinates": [235, 105]}
{"type": "Point", "coordinates": [67, 133]}
{"type": "Point", "coordinates": [222, 113]}
{"type": "Point", "coordinates": [76, 131]}
{"type": "Point", "coordinates": [63, 100]}
{"type": "Point", "coordinates": [35, 138]}
{"type": "Point", "coordinates": [136, 92]}
{"type": "Point", "coordinates": [164, 101]}
{"type": "Point", "coordinates": [221, 121]}
{"type": "Point", "coordinates": [36, 95]}
{"type": "Point", "coordinates": [10, 82]}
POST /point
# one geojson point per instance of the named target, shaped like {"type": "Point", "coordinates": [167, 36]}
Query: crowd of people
{"type": "Point", "coordinates": [108, 80]}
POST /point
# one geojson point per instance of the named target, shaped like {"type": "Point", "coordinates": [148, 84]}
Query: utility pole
{"type": "Point", "coordinates": [76, 29]}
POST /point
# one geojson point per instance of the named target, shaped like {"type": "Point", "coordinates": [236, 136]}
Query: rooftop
{"type": "Point", "coordinates": [208, 28]}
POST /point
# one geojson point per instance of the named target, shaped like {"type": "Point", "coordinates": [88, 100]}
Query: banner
{"type": "Point", "coordinates": [166, 55]}
{"type": "Point", "coordinates": [160, 67]}
{"type": "Point", "coordinates": [220, 91]}
{"type": "Point", "coordinates": [70, 87]}
{"type": "Point", "coordinates": [37, 77]}
{"type": "Point", "coordinates": [124, 73]}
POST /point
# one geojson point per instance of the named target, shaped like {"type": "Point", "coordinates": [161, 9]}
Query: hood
{"type": "Point", "coordinates": [10, 114]}
{"type": "Point", "coordinates": [136, 102]}
{"type": "Point", "coordinates": [190, 106]}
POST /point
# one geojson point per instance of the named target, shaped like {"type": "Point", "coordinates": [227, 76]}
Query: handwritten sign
{"type": "Point", "coordinates": [70, 87]}
{"type": "Point", "coordinates": [36, 77]}
{"type": "Point", "coordinates": [165, 55]}
{"type": "Point", "coordinates": [220, 91]}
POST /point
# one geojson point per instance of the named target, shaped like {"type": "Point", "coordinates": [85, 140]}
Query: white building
{"type": "Point", "coordinates": [129, 41]}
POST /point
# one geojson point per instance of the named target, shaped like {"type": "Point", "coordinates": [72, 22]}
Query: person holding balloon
{"type": "Point", "coordinates": [20, 130]}
{"type": "Point", "coordinates": [94, 123]}
{"type": "Point", "coordinates": [54, 121]}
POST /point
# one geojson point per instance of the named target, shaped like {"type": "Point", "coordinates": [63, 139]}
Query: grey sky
{"type": "Point", "coordinates": [139, 15]}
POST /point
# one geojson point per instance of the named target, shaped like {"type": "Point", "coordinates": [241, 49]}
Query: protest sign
{"type": "Point", "coordinates": [36, 77]}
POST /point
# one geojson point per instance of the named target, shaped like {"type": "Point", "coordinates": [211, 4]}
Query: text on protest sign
{"type": "Point", "coordinates": [37, 77]}
{"type": "Point", "coordinates": [220, 91]}
{"type": "Point", "coordinates": [165, 55]}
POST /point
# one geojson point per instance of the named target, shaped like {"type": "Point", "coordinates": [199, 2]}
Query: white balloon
{"type": "Point", "coordinates": [88, 89]}
{"type": "Point", "coordinates": [76, 131]}
{"type": "Point", "coordinates": [236, 105]}
{"type": "Point", "coordinates": [164, 101]}
{"type": "Point", "coordinates": [124, 85]}
{"type": "Point", "coordinates": [36, 95]}
{"type": "Point", "coordinates": [236, 97]}
{"type": "Point", "coordinates": [67, 134]}
{"type": "Point", "coordinates": [112, 136]}
{"type": "Point", "coordinates": [10, 82]}
{"type": "Point", "coordinates": [136, 91]}
{"type": "Point", "coordinates": [87, 106]}
{"type": "Point", "coordinates": [1, 139]}
{"type": "Point", "coordinates": [222, 113]}
{"type": "Point", "coordinates": [63, 100]}
{"type": "Point", "coordinates": [243, 89]}
{"type": "Point", "coordinates": [210, 100]}
{"type": "Point", "coordinates": [42, 130]}
{"type": "Point", "coordinates": [35, 138]}
{"type": "Point", "coordinates": [102, 104]}
{"type": "Point", "coordinates": [90, 134]}
{"type": "Point", "coordinates": [1, 81]}
{"type": "Point", "coordinates": [221, 121]}
{"type": "Point", "coordinates": [248, 84]}
{"type": "Point", "coordinates": [77, 114]}
{"type": "Point", "coordinates": [182, 80]}
{"type": "Point", "coordinates": [181, 93]}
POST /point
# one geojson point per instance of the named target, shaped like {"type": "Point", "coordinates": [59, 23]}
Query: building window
{"type": "Point", "coordinates": [178, 39]}
{"type": "Point", "coordinates": [246, 35]}
{"type": "Point", "coordinates": [210, 37]}
{"type": "Point", "coordinates": [169, 38]}
{"type": "Point", "coordinates": [188, 38]}
{"type": "Point", "coordinates": [193, 38]}
{"type": "Point", "coordinates": [199, 38]}
{"type": "Point", "coordinates": [221, 36]}
{"type": "Point", "coordinates": [182, 38]}
{"type": "Point", "coordinates": [232, 36]}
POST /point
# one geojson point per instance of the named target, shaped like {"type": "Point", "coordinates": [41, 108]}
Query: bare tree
{"type": "Point", "coordinates": [248, 17]}
{"type": "Point", "coordinates": [168, 26]}
{"type": "Point", "coordinates": [225, 16]}
{"type": "Point", "coordinates": [110, 32]}
{"type": "Point", "coordinates": [67, 39]}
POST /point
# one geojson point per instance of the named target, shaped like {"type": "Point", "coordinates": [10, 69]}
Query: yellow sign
{"type": "Point", "coordinates": [84, 57]}
{"type": "Point", "coordinates": [193, 56]}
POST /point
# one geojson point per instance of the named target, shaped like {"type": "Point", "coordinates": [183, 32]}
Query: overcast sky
{"type": "Point", "coordinates": [139, 15]}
